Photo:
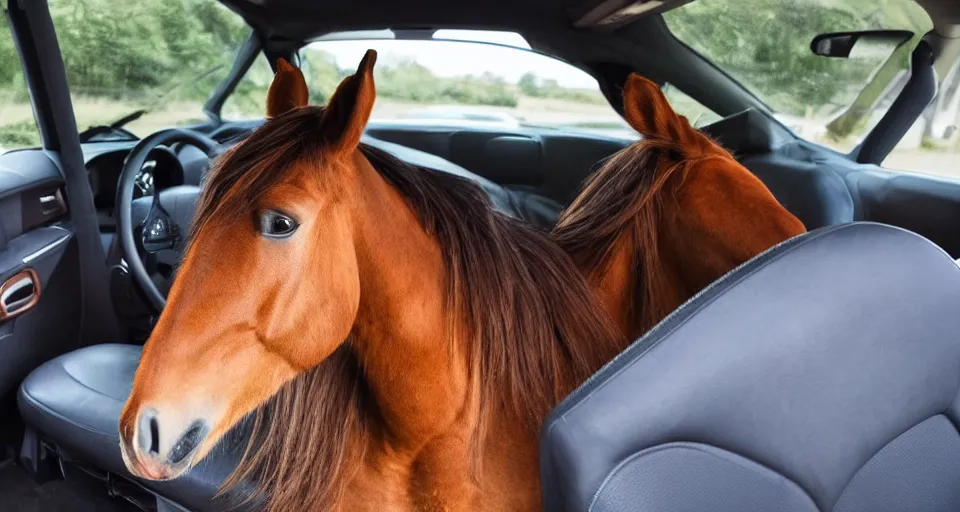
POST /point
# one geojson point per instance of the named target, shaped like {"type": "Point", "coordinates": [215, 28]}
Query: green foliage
{"type": "Point", "coordinates": [146, 51]}
{"type": "Point", "coordinates": [20, 134]}
{"type": "Point", "coordinates": [131, 54]}
{"type": "Point", "coordinates": [765, 44]}
{"type": "Point", "coordinates": [411, 81]}
{"type": "Point", "coordinates": [536, 87]}
{"type": "Point", "coordinates": [485, 89]}
{"type": "Point", "coordinates": [405, 81]}
{"type": "Point", "coordinates": [322, 74]}
{"type": "Point", "coordinates": [528, 84]}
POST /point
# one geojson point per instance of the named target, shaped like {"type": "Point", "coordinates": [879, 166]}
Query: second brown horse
{"type": "Point", "coordinates": [666, 216]}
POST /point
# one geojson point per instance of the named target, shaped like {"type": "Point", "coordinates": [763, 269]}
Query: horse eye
{"type": "Point", "coordinates": [276, 225]}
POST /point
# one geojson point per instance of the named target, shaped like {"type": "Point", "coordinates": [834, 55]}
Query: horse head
{"type": "Point", "coordinates": [269, 285]}
{"type": "Point", "coordinates": [667, 215]}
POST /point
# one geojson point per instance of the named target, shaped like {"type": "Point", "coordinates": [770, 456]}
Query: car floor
{"type": "Point", "coordinates": [18, 493]}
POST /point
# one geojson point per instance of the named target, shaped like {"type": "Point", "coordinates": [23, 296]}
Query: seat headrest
{"type": "Point", "coordinates": [805, 361]}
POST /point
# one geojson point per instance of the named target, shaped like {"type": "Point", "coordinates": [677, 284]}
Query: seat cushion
{"type": "Point", "coordinates": [75, 401]}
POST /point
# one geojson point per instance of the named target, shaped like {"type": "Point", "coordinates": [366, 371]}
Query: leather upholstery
{"type": "Point", "coordinates": [520, 203]}
{"type": "Point", "coordinates": [821, 375]}
{"type": "Point", "coordinates": [75, 400]}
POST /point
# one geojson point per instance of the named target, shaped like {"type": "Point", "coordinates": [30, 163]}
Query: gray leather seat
{"type": "Point", "coordinates": [75, 401]}
{"type": "Point", "coordinates": [821, 375]}
{"type": "Point", "coordinates": [536, 209]}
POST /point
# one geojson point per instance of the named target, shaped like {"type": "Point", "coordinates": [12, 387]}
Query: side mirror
{"type": "Point", "coordinates": [859, 45]}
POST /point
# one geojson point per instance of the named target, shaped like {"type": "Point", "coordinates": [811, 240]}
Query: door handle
{"type": "Point", "coordinates": [19, 294]}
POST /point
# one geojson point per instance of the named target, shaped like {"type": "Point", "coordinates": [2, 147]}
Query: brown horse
{"type": "Point", "coordinates": [412, 338]}
{"type": "Point", "coordinates": [666, 216]}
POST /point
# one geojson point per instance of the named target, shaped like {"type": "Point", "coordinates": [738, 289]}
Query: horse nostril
{"type": "Point", "coordinates": [148, 435]}
{"type": "Point", "coordinates": [154, 436]}
{"type": "Point", "coordinates": [188, 442]}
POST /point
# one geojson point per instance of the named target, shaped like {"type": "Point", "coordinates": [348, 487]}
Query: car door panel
{"type": "Point", "coordinates": [39, 272]}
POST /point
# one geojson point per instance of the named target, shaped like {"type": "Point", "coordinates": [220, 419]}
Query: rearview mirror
{"type": "Point", "coordinates": [859, 45]}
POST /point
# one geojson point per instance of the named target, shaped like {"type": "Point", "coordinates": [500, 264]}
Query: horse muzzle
{"type": "Point", "coordinates": [162, 450]}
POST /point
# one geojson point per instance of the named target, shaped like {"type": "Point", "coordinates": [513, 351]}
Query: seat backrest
{"type": "Point", "coordinates": [822, 375]}
{"type": "Point", "coordinates": [538, 210]}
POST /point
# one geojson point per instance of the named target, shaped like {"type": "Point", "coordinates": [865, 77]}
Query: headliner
{"type": "Point", "coordinates": [302, 20]}
{"type": "Point", "coordinates": [305, 19]}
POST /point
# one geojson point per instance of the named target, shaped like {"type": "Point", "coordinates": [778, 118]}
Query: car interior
{"type": "Point", "coordinates": [74, 310]}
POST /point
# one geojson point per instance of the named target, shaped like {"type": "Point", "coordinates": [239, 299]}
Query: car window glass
{"type": "Point", "coordinates": [693, 110]}
{"type": "Point", "coordinates": [452, 83]}
{"type": "Point", "coordinates": [932, 145]}
{"type": "Point", "coordinates": [165, 58]}
{"type": "Point", "coordinates": [18, 129]}
{"type": "Point", "coordinates": [765, 45]}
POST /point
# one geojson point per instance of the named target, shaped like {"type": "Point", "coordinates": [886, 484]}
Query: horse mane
{"type": "Point", "coordinates": [531, 327]}
{"type": "Point", "coordinates": [624, 202]}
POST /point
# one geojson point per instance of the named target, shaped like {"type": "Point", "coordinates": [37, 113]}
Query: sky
{"type": "Point", "coordinates": [454, 58]}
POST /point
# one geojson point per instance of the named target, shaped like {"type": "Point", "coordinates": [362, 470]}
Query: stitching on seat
{"type": "Point", "coordinates": [36, 403]}
{"type": "Point", "coordinates": [700, 447]}
{"type": "Point", "coordinates": [78, 381]}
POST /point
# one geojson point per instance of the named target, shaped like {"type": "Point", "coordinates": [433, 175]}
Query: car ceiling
{"type": "Point", "coordinates": [298, 19]}
{"type": "Point", "coordinates": [303, 20]}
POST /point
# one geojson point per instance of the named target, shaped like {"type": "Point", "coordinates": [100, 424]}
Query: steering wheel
{"type": "Point", "coordinates": [165, 216]}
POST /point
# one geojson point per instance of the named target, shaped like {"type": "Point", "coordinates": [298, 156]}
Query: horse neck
{"type": "Point", "coordinates": [401, 335]}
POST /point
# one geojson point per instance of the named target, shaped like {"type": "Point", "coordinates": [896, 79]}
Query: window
{"type": "Point", "coordinates": [454, 81]}
{"type": "Point", "coordinates": [765, 45]}
{"type": "Point", "coordinates": [17, 126]}
{"type": "Point", "coordinates": [165, 58]}
{"type": "Point", "coordinates": [249, 98]}
{"type": "Point", "coordinates": [697, 114]}
{"type": "Point", "coordinates": [932, 145]}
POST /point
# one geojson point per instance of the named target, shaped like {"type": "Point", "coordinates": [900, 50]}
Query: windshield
{"type": "Point", "coordinates": [765, 45]}
{"type": "Point", "coordinates": [451, 83]}
{"type": "Point", "coordinates": [162, 57]}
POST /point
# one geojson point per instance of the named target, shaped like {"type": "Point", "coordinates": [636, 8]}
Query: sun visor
{"type": "Point", "coordinates": [609, 14]}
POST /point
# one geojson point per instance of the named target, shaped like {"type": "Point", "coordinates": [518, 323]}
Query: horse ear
{"type": "Point", "coordinates": [288, 90]}
{"type": "Point", "coordinates": [350, 106]}
{"type": "Point", "coordinates": [648, 111]}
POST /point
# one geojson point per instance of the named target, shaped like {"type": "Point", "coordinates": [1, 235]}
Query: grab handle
{"type": "Point", "coordinates": [19, 294]}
